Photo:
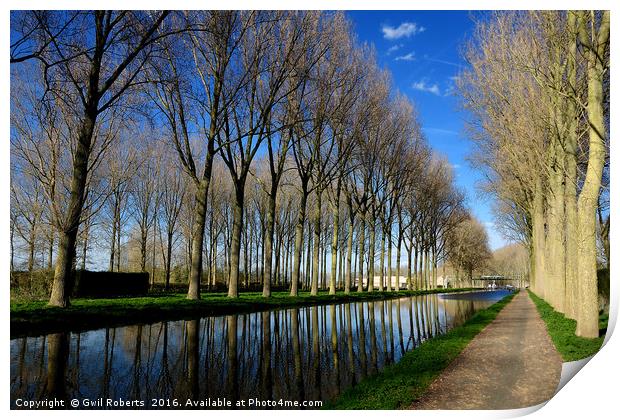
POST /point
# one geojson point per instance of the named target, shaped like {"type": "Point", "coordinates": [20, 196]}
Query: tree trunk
{"type": "Point", "coordinates": [316, 257]}
{"type": "Point", "coordinates": [277, 261]}
{"type": "Point", "coordinates": [235, 247]}
{"type": "Point", "coordinates": [118, 241]}
{"type": "Point", "coordinates": [260, 243]}
{"type": "Point", "coordinates": [362, 240]}
{"type": "Point", "coordinates": [210, 253]}
{"type": "Point", "coordinates": [85, 245]}
{"type": "Point", "coordinates": [347, 279]}
{"type": "Point", "coordinates": [154, 244]}
{"type": "Point", "coordinates": [143, 241]}
{"type": "Point", "coordinates": [200, 209]}
{"type": "Point", "coordinates": [389, 258]}
{"type": "Point", "coordinates": [299, 238]}
{"type": "Point", "coordinates": [538, 239]}
{"type": "Point", "coordinates": [382, 263]}
{"type": "Point", "coordinates": [324, 264]}
{"type": "Point", "coordinates": [435, 268]}
{"type": "Point", "coordinates": [371, 256]}
{"type": "Point", "coordinates": [342, 251]}
{"type": "Point", "coordinates": [419, 274]}
{"type": "Point", "coordinates": [413, 282]}
{"type": "Point", "coordinates": [62, 273]}
{"type": "Point", "coordinates": [570, 189]}
{"type": "Point", "coordinates": [168, 258]}
{"type": "Point", "coordinates": [66, 246]}
{"type": "Point", "coordinates": [308, 258]}
{"type": "Point", "coordinates": [50, 251]}
{"type": "Point", "coordinates": [112, 246]}
{"type": "Point", "coordinates": [587, 314]}
{"type": "Point", "coordinates": [247, 254]}
{"type": "Point", "coordinates": [427, 270]}
{"type": "Point", "coordinates": [355, 262]}
{"type": "Point", "coordinates": [336, 217]}
{"type": "Point", "coordinates": [555, 229]}
{"type": "Point", "coordinates": [398, 245]}
{"type": "Point", "coordinates": [214, 260]}
{"type": "Point", "coordinates": [31, 245]}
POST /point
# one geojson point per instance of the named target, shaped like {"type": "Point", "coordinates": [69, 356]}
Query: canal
{"type": "Point", "coordinates": [301, 354]}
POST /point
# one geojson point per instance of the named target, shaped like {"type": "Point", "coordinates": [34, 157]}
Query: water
{"type": "Point", "coordinates": [303, 354]}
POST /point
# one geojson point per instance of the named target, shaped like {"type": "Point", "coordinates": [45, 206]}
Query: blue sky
{"type": "Point", "coordinates": [422, 51]}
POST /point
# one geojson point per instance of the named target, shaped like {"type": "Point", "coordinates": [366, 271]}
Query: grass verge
{"type": "Point", "coordinates": [36, 318]}
{"type": "Point", "coordinates": [562, 332]}
{"type": "Point", "coordinates": [398, 385]}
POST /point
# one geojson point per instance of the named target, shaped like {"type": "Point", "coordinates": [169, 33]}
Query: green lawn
{"type": "Point", "coordinates": [35, 318]}
{"type": "Point", "coordinates": [398, 385]}
{"type": "Point", "coordinates": [562, 332]}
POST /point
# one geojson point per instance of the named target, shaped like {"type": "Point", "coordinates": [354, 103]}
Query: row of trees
{"type": "Point", "coordinates": [538, 94]}
{"type": "Point", "coordinates": [269, 138]}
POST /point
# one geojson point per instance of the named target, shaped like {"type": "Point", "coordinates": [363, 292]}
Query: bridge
{"type": "Point", "coordinates": [499, 280]}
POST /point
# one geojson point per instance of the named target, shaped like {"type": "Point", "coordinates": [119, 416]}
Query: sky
{"type": "Point", "coordinates": [422, 51]}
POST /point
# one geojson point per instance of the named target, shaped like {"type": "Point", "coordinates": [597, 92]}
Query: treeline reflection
{"type": "Point", "coordinates": [311, 353]}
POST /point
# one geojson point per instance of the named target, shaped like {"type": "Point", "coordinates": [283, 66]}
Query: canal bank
{"type": "Point", "coordinates": [36, 318]}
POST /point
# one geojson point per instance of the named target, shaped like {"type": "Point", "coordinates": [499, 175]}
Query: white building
{"type": "Point", "coordinates": [402, 281]}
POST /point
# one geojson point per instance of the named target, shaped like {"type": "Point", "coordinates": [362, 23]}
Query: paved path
{"type": "Point", "coordinates": [512, 363]}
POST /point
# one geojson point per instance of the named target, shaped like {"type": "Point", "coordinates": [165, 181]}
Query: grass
{"type": "Point", "coordinates": [36, 318]}
{"type": "Point", "coordinates": [562, 332]}
{"type": "Point", "coordinates": [398, 385]}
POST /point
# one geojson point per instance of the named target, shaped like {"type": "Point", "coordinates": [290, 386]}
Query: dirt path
{"type": "Point", "coordinates": [512, 363]}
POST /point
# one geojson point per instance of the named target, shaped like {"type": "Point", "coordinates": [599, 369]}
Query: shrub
{"type": "Point", "coordinates": [31, 286]}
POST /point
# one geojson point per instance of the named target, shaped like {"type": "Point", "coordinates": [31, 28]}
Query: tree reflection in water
{"type": "Point", "coordinates": [311, 353]}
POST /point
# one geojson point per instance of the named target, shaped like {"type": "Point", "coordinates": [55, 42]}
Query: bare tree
{"type": "Point", "coordinates": [90, 74]}
{"type": "Point", "coordinates": [468, 247]}
{"type": "Point", "coordinates": [173, 191]}
{"type": "Point", "coordinates": [145, 195]}
{"type": "Point", "coordinates": [259, 80]}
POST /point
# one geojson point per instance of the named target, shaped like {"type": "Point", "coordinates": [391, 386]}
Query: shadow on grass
{"type": "Point", "coordinates": [562, 332]}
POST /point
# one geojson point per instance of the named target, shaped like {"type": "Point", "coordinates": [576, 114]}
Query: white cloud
{"type": "Point", "coordinates": [423, 87]}
{"type": "Point", "coordinates": [406, 57]}
{"type": "Point", "coordinates": [405, 29]}
{"type": "Point", "coordinates": [442, 131]}
{"type": "Point", "coordinates": [437, 60]}
{"type": "Point", "coordinates": [451, 89]}
{"type": "Point", "coordinates": [394, 48]}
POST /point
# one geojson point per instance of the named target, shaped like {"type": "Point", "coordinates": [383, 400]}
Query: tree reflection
{"type": "Point", "coordinates": [57, 355]}
{"type": "Point", "coordinates": [295, 354]}
{"type": "Point", "coordinates": [298, 388]}
{"type": "Point", "coordinates": [266, 381]}
{"type": "Point", "coordinates": [335, 353]}
{"type": "Point", "coordinates": [193, 357]}
{"type": "Point", "coordinates": [232, 385]}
